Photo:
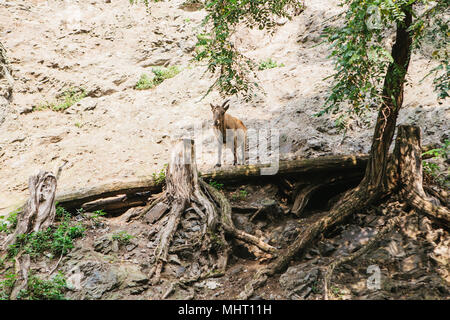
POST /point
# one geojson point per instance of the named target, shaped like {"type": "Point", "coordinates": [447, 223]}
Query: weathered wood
{"type": "Point", "coordinates": [298, 167]}
{"type": "Point", "coordinates": [407, 155]}
{"type": "Point", "coordinates": [116, 204]}
{"type": "Point", "coordinates": [75, 199]}
{"type": "Point", "coordinates": [156, 212]}
{"type": "Point", "coordinates": [39, 211]}
{"type": "Point", "coordinates": [183, 190]}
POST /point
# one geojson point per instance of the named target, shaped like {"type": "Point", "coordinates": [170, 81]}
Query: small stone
{"type": "Point", "coordinates": [26, 109]}
{"type": "Point", "coordinates": [211, 284]}
{"type": "Point", "coordinates": [173, 258]}
{"type": "Point", "coordinates": [131, 246]}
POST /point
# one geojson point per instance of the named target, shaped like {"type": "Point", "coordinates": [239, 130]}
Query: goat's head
{"type": "Point", "coordinates": [219, 113]}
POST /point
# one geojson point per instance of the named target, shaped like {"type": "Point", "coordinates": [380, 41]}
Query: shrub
{"type": "Point", "coordinates": [10, 223]}
{"type": "Point", "coordinates": [269, 64]}
{"type": "Point", "coordinates": [215, 184]}
{"type": "Point", "coordinates": [39, 289]}
{"type": "Point", "coordinates": [122, 237]}
{"type": "Point", "coordinates": [160, 74]}
{"type": "Point", "coordinates": [57, 240]}
{"type": "Point", "coordinates": [65, 100]}
{"type": "Point", "coordinates": [144, 83]}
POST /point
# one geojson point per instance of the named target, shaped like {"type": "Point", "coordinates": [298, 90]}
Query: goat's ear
{"type": "Point", "coordinates": [212, 106]}
{"type": "Point", "coordinates": [226, 107]}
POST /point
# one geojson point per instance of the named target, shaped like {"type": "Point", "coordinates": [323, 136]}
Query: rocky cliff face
{"type": "Point", "coordinates": [6, 84]}
{"type": "Point", "coordinates": [118, 132]}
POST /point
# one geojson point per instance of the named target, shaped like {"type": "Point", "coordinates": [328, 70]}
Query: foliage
{"type": "Point", "coordinates": [361, 58]}
{"type": "Point", "coordinates": [65, 100]}
{"type": "Point", "coordinates": [55, 240]}
{"type": "Point", "coordinates": [61, 212]}
{"type": "Point", "coordinates": [11, 221]}
{"type": "Point", "coordinates": [39, 289]}
{"type": "Point", "coordinates": [241, 194]}
{"type": "Point", "coordinates": [236, 72]}
{"type": "Point", "coordinates": [430, 167]}
{"type": "Point", "coordinates": [215, 184]}
{"type": "Point", "coordinates": [433, 26]}
{"type": "Point", "coordinates": [6, 285]}
{"type": "Point", "coordinates": [144, 83]}
{"type": "Point", "coordinates": [336, 292]}
{"type": "Point", "coordinates": [95, 216]}
{"type": "Point", "coordinates": [122, 237]}
{"type": "Point", "coordinates": [269, 64]}
{"type": "Point", "coordinates": [160, 74]}
{"type": "Point", "coordinates": [146, 2]}
{"type": "Point", "coordinates": [160, 177]}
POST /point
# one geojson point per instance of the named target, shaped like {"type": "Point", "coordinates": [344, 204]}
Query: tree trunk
{"type": "Point", "coordinates": [375, 182]}
{"type": "Point", "coordinates": [375, 177]}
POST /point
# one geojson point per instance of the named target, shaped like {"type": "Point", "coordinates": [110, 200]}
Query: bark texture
{"type": "Point", "coordinates": [187, 198]}
{"type": "Point", "coordinates": [39, 211]}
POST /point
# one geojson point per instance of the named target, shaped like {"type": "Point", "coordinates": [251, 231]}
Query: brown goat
{"type": "Point", "coordinates": [229, 131]}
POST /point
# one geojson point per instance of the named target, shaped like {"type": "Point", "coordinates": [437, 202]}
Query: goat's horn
{"type": "Point", "coordinates": [225, 102]}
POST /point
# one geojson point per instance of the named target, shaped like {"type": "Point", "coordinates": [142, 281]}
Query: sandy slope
{"type": "Point", "coordinates": [121, 132]}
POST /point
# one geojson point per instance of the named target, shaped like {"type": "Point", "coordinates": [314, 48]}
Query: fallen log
{"type": "Point", "coordinates": [75, 199]}
{"type": "Point", "coordinates": [298, 168]}
{"type": "Point", "coordinates": [117, 204]}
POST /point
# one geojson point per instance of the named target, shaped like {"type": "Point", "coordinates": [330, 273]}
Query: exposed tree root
{"type": "Point", "coordinates": [22, 265]}
{"type": "Point", "coordinates": [228, 224]}
{"type": "Point", "coordinates": [353, 201]}
{"type": "Point", "coordinates": [366, 248]}
{"type": "Point", "coordinates": [404, 177]}
{"type": "Point", "coordinates": [187, 199]}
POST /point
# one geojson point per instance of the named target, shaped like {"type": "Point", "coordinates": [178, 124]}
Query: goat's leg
{"type": "Point", "coordinates": [235, 150]}
{"type": "Point", "coordinates": [219, 154]}
{"type": "Point", "coordinates": [243, 147]}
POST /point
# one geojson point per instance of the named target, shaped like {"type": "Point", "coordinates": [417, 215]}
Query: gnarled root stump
{"type": "Point", "coordinates": [37, 214]}
{"type": "Point", "coordinates": [190, 219]}
{"type": "Point", "coordinates": [39, 211]}
{"type": "Point", "coordinates": [408, 171]}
